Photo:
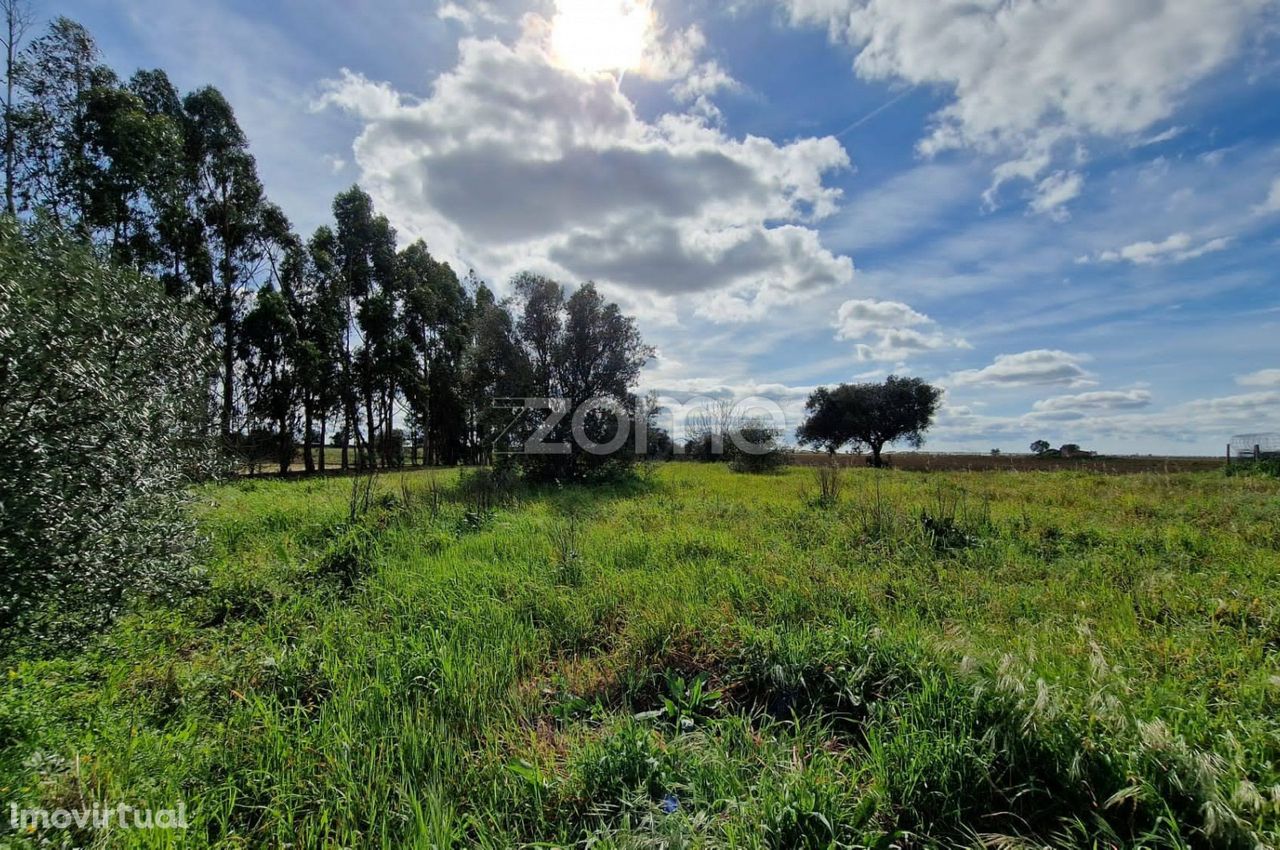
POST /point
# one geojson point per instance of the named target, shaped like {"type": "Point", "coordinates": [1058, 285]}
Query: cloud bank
{"type": "Point", "coordinates": [1042, 367]}
{"type": "Point", "coordinates": [1035, 81]}
{"type": "Point", "coordinates": [889, 330]}
{"type": "Point", "coordinates": [513, 162]}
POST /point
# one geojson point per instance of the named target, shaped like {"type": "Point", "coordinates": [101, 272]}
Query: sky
{"type": "Point", "coordinates": [1066, 213]}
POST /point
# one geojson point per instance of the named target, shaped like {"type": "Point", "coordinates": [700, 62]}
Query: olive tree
{"type": "Point", "coordinates": [102, 411]}
{"type": "Point", "coordinates": [870, 416]}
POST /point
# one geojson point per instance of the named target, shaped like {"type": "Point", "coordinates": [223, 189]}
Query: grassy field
{"type": "Point", "coordinates": [693, 659]}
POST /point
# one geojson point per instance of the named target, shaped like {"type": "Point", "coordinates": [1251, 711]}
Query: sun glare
{"type": "Point", "coordinates": [592, 36]}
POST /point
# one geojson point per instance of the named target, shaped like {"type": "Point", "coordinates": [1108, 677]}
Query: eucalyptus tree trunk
{"type": "Point", "coordinates": [308, 462]}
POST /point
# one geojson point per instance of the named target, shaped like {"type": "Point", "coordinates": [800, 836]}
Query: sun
{"type": "Point", "coordinates": [594, 36]}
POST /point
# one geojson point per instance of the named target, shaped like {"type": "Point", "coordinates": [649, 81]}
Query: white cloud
{"type": "Point", "coordinates": [354, 93]}
{"type": "Point", "coordinates": [475, 12]}
{"type": "Point", "coordinates": [512, 162]}
{"type": "Point", "coordinates": [671, 55]}
{"type": "Point", "coordinates": [1246, 410]}
{"type": "Point", "coordinates": [683, 400]}
{"type": "Point", "coordinates": [1272, 203]}
{"type": "Point", "coordinates": [1054, 192]}
{"type": "Point", "coordinates": [1263, 378]}
{"type": "Point", "coordinates": [705, 80]}
{"type": "Point", "coordinates": [1100, 400]}
{"type": "Point", "coordinates": [1205, 420]}
{"type": "Point", "coordinates": [1178, 248]}
{"type": "Point", "coordinates": [701, 84]}
{"type": "Point", "coordinates": [1120, 418]}
{"type": "Point", "coordinates": [900, 343]}
{"type": "Point", "coordinates": [893, 329]}
{"type": "Point", "coordinates": [856, 319]}
{"type": "Point", "coordinates": [684, 389]}
{"type": "Point", "coordinates": [1030, 166]}
{"type": "Point", "coordinates": [1159, 138]}
{"type": "Point", "coordinates": [1042, 367]}
{"type": "Point", "coordinates": [1069, 407]}
{"type": "Point", "coordinates": [1029, 79]}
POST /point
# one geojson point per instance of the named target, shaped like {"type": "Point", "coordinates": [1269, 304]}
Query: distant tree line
{"type": "Point", "coordinates": [1042, 449]}
{"type": "Point", "coordinates": [340, 337]}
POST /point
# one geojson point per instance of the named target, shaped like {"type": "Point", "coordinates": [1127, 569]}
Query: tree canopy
{"type": "Point", "coordinates": [582, 351]}
{"type": "Point", "coordinates": [870, 416]}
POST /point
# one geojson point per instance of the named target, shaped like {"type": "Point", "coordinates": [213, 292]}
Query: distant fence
{"type": "Point", "coordinates": [1254, 447]}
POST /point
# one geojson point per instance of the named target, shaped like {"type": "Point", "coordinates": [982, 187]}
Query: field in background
{"type": "Point", "coordinates": [942, 462]}
{"type": "Point", "coordinates": [697, 658]}
{"type": "Point", "coordinates": [931, 462]}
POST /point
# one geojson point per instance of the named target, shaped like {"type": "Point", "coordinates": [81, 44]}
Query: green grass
{"type": "Point", "coordinates": [696, 659]}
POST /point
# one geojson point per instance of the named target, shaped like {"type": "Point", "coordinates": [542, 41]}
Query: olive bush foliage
{"type": "Point", "coordinates": [103, 399]}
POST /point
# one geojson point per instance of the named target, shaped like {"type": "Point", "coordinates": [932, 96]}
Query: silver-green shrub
{"type": "Point", "coordinates": [103, 397]}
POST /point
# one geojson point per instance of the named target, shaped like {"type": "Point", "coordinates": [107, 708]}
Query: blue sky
{"type": "Point", "coordinates": [1065, 212]}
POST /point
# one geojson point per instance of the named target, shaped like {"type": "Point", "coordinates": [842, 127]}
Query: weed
{"type": "Point", "coordinates": [566, 541]}
{"type": "Point", "coordinates": [876, 520]}
{"type": "Point", "coordinates": [686, 702]}
{"type": "Point", "coordinates": [239, 596]}
{"type": "Point", "coordinates": [629, 758]}
{"type": "Point", "coordinates": [484, 490]}
{"type": "Point", "coordinates": [951, 524]}
{"type": "Point", "coordinates": [349, 558]}
{"type": "Point", "coordinates": [828, 482]}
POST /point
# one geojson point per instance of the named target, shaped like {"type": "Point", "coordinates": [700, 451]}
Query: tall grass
{"type": "Point", "coordinates": [696, 659]}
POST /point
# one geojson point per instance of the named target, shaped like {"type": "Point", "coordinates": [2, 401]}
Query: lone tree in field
{"type": "Point", "coordinates": [1040, 447]}
{"type": "Point", "coordinates": [870, 416]}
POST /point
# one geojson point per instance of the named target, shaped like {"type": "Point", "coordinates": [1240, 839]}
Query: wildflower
{"type": "Point", "coordinates": [669, 804]}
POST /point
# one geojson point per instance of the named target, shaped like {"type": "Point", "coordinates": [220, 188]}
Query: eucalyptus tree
{"type": "Point", "coordinates": [56, 75]}
{"type": "Point", "coordinates": [228, 205]}
{"type": "Point", "coordinates": [437, 313]}
{"type": "Point", "coordinates": [128, 161]}
{"type": "Point", "coordinates": [366, 254]}
{"type": "Point", "coordinates": [97, 155]}
{"type": "Point", "coordinates": [176, 238]}
{"type": "Point", "coordinates": [540, 304]}
{"type": "Point", "coordinates": [495, 367]}
{"type": "Point", "coordinates": [85, 149]}
{"type": "Point", "coordinates": [316, 302]}
{"type": "Point", "coordinates": [586, 355]}
{"type": "Point", "coordinates": [267, 347]}
{"type": "Point", "coordinates": [17, 21]}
